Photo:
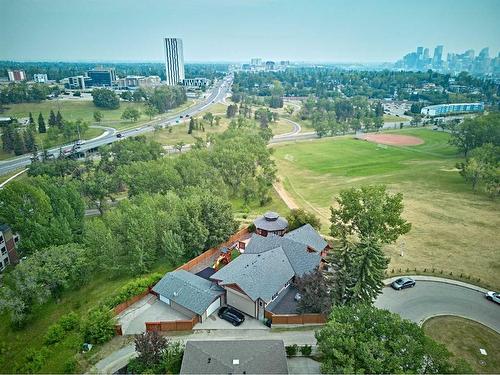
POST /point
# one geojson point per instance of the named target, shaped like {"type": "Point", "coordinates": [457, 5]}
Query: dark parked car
{"type": "Point", "coordinates": [403, 282]}
{"type": "Point", "coordinates": [119, 135]}
{"type": "Point", "coordinates": [233, 316]}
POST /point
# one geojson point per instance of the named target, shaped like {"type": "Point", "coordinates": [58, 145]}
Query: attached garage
{"type": "Point", "coordinates": [240, 301]}
{"type": "Point", "coordinates": [189, 293]}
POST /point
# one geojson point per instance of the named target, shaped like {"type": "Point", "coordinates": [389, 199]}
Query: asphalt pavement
{"type": "Point", "coordinates": [434, 298]}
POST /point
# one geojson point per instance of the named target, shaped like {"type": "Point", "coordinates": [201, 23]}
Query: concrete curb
{"type": "Point", "coordinates": [435, 279]}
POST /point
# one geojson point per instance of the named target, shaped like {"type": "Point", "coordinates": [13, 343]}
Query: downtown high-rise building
{"type": "Point", "coordinates": [174, 61]}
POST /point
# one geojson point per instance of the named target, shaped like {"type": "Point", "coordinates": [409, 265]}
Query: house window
{"type": "Point", "coordinates": [1, 238]}
{"type": "Point", "coordinates": [4, 250]}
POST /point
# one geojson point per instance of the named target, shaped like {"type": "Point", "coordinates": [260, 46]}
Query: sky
{"type": "Point", "coordinates": [237, 30]}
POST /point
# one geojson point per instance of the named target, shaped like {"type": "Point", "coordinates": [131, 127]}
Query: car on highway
{"type": "Point", "coordinates": [119, 135]}
{"type": "Point", "coordinates": [402, 283]}
{"type": "Point", "coordinates": [232, 315]}
{"type": "Point", "coordinates": [80, 142]}
{"type": "Point", "coordinates": [493, 296]}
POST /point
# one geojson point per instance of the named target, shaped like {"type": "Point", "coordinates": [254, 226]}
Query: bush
{"type": "Point", "coordinates": [69, 321]}
{"type": "Point", "coordinates": [55, 333]}
{"type": "Point", "coordinates": [98, 327]}
{"type": "Point", "coordinates": [172, 358]}
{"type": "Point", "coordinates": [251, 228]}
{"type": "Point", "coordinates": [291, 350]}
{"type": "Point", "coordinates": [69, 366]}
{"type": "Point", "coordinates": [306, 350]}
{"type": "Point", "coordinates": [132, 289]}
{"type": "Point", "coordinates": [33, 361]}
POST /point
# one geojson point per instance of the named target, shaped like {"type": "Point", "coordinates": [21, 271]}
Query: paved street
{"type": "Point", "coordinates": [218, 92]}
{"type": "Point", "coordinates": [430, 298]}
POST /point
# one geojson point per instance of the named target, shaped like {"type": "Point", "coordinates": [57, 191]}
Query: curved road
{"type": "Point", "coordinates": [432, 298]}
{"type": "Point", "coordinates": [218, 92]}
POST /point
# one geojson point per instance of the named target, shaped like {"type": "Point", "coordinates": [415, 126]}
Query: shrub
{"type": "Point", "coordinates": [69, 321]}
{"type": "Point", "coordinates": [291, 350]}
{"type": "Point", "coordinates": [306, 350]}
{"type": "Point", "coordinates": [131, 289]}
{"type": "Point", "coordinates": [172, 358]}
{"type": "Point", "coordinates": [251, 228]}
{"type": "Point", "coordinates": [33, 361]}
{"type": "Point", "coordinates": [55, 333]}
{"type": "Point", "coordinates": [98, 327]}
{"type": "Point", "coordinates": [69, 366]}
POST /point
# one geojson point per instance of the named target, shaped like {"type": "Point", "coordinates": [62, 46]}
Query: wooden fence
{"type": "Point", "coordinates": [295, 318]}
{"type": "Point", "coordinates": [175, 325]}
{"type": "Point", "coordinates": [215, 250]}
{"type": "Point", "coordinates": [122, 306]}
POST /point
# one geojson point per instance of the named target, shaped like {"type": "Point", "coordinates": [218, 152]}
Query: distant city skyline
{"type": "Point", "coordinates": [340, 31]}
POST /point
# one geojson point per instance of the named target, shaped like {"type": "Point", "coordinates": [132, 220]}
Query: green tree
{"type": "Point", "coordinates": [231, 111]}
{"type": "Point", "coordinates": [29, 138]}
{"type": "Point", "coordinates": [150, 111]}
{"type": "Point", "coordinates": [209, 117]}
{"type": "Point", "coordinates": [364, 339]}
{"type": "Point", "coordinates": [150, 347]}
{"type": "Point", "coordinates": [126, 95]}
{"type": "Point", "coordinates": [131, 114]}
{"type": "Point", "coordinates": [483, 167]}
{"type": "Point", "coordinates": [31, 121]}
{"type": "Point", "coordinates": [369, 213]}
{"type": "Point", "coordinates": [191, 126]}
{"type": "Point", "coordinates": [98, 116]}
{"type": "Point", "coordinates": [104, 98]}
{"type": "Point", "coordinates": [41, 124]}
{"type": "Point", "coordinates": [98, 327]}
{"type": "Point", "coordinates": [59, 120]}
{"type": "Point", "coordinates": [8, 132]}
{"type": "Point", "coordinates": [19, 146]}
{"type": "Point", "coordinates": [299, 217]}
{"type": "Point", "coordinates": [52, 118]}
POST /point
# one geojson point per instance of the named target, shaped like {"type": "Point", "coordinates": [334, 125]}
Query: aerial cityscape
{"type": "Point", "coordinates": [236, 187]}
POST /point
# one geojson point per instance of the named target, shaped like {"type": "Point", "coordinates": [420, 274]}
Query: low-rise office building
{"type": "Point", "coordinates": [196, 82]}
{"type": "Point", "coordinates": [452, 109]}
{"type": "Point", "coordinates": [16, 75]}
{"type": "Point", "coordinates": [40, 78]}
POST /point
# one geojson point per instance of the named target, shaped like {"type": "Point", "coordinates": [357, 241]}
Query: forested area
{"type": "Point", "coordinates": [331, 82]}
{"type": "Point", "coordinates": [178, 207]}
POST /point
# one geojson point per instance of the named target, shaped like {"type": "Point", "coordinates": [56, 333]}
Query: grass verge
{"type": "Point", "coordinates": [464, 338]}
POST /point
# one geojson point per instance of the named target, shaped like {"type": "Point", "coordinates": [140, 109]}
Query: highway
{"type": "Point", "coordinates": [217, 93]}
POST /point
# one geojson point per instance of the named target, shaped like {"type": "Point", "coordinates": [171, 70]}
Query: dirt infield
{"type": "Point", "coordinates": [393, 139]}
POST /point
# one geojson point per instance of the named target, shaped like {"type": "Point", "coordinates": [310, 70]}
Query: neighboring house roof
{"type": "Point", "coordinates": [299, 257]}
{"type": "Point", "coordinates": [258, 275]}
{"type": "Point", "coordinates": [188, 290]}
{"type": "Point", "coordinates": [307, 235]}
{"type": "Point", "coordinates": [4, 228]}
{"type": "Point", "coordinates": [234, 357]}
{"type": "Point", "coordinates": [271, 222]}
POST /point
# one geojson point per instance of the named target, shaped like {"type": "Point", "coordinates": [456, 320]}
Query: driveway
{"type": "Point", "coordinates": [214, 322]}
{"type": "Point", "coordinates": [431, 298]}
{"type": "Point", "coordinates": [148, 309]}
{"type": "Point", "coordinates": [303, 365]}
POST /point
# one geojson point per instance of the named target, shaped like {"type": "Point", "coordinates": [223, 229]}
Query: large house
{"type": "Point", "coordinates": [268, 267]}
{"type": "Point", "coordinates": [234, 357]}
{"type": "Point", "coordinates": [8, 242]}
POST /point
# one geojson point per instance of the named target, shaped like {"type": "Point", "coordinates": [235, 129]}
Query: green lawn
{"type": "Point", "coordinates": [453, 229]}
{"type": "Point", "coordinates": [393, 118]}
{"type": "Point", "coordinates": [18, 342]}
{"type": "Point", "coordinates": [464, 338]}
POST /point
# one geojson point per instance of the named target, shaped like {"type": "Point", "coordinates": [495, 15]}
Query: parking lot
{"type": "Point", "coordinates": [148, 309]}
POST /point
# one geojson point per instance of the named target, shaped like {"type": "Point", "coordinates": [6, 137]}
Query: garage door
{"type": "Point", "coordinates": [241, 303]}
{"type": "Point", "coordinates": [214, 306]}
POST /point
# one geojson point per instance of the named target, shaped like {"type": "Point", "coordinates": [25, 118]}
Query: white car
{"type": "Point", "coordinates": [493, 296]}
{"type": "Point", "coordinates": [80, 142]}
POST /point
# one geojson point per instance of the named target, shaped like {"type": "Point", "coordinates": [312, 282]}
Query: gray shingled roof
{"type": "Point", "coordinates": [258, 275]}
{"type": "Point", "coordinates": [300, 258]}
{"type": "Point", "coordinates": [307, 235]}
{"type": "Point", "coordinates": [188, 290]}
{"type": "Point", "coordinates": [271, 222]}
{"type": "Point", "coordinates": [218, 357]}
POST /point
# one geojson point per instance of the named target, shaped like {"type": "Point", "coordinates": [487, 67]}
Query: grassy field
{"type": "Point", "coordinates": [393, 118]}
{"type": "Point", "coordinates": [19, 342]}
{"type": "Point", "coordinates": [464, 338]}
{"type": "Point", "coordinates": [453, 229]}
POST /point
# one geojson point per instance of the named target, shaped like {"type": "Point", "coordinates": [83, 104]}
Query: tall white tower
{"type": "Point", "coordinates": [174, 61]}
